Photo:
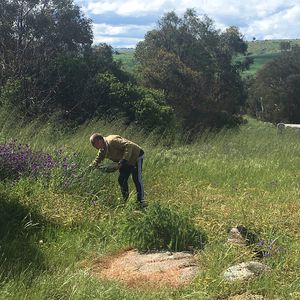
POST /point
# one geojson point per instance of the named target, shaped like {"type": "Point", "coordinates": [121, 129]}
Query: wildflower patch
{"type": "Point", "coordinates": [18, 160]}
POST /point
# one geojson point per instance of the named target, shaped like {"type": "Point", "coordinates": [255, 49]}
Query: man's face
{"type": "Point", "coordinates": [99, 144]}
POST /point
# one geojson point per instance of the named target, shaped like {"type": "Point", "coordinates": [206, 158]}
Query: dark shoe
{"type": "Point", "coordinates": [141, 205]}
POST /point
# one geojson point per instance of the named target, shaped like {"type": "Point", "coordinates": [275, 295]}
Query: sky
{"type": "Point", "coordinates": [123, 23]}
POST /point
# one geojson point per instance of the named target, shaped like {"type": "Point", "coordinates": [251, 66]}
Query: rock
{"type": "Point", "coordinates": [160, 268]}
{"type": "Point", "coordinates": [240, 235]}
{"type": "Point", "coordinates": [245, 271]}
{"type": "Point", "coordinates": [235, 237]}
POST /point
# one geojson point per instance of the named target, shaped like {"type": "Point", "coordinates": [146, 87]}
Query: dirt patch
{"type": "Point", "coordinates": [158, 269]}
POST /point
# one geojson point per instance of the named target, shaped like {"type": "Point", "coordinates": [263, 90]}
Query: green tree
{"type": "Point", "coordinates": [33, 34]}
{"type": "Point", "coordinates": [275, 94]}
{"type": "Point", "coordinates": [192, 63]}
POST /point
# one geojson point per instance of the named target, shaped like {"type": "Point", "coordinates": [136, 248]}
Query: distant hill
{"type": "Point", "coordinates": [123, 50]}
{"type": "Point", "coordinates": [268, 46]}
{"type": "Point", "coordinates": [261, 51]}
{"type": "Point", "coordinates": [265, 51]}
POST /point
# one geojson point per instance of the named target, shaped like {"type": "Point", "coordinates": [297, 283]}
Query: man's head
{"type": "Point", "coordinates": [97, 141]}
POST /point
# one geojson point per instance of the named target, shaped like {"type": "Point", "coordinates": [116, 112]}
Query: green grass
{"type": "Point", "coordinates": [263, 52]}
{"type": "Point", "coordinates": [268, 46]}
{"type": "Point", "coordinates": [127, 60]}
{"type": "Point", "coordinates": [244, 177]}
{"type": "Point", "coordinates": [259, 61]}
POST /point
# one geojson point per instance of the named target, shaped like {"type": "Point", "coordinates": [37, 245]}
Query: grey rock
{"type": "Point", "coordinates": [235, 237]}
{"type": "Point", "coordinates": [245, 271]}
{"type": "Point", "coordinates": [241, 235]}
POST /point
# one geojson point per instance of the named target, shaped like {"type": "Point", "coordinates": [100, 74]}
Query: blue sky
{"type": "Point", "coordinates": [123, 23]}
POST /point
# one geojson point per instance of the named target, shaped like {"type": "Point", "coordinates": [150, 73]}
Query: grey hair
{"type": "Point", "coordinates": [95, 137]}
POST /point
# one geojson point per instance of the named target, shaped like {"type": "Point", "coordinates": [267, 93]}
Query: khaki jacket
{"type": "Point", "coordinates": [118, 148]}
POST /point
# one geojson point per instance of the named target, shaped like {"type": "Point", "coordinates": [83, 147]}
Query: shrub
{"type": "Point", "coordinates": [152, 111]}
{"type": "Point", "coordinates": [161, 228]}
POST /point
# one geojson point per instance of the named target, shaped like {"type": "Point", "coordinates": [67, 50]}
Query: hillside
{"type": "Point", "coordinates": [51, 226]}
{"type": "Point", "coordinates": [261, 51]}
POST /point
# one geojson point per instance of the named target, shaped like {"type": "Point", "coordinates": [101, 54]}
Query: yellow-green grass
{"type": "Point", "coordinates": [127, 61]}
{"type": "Point", "coordinates": [244, 177]}
{"type": "Point", "coordinates": [269, 46]}
{"type": "Point", "coordinates": [259, 61]}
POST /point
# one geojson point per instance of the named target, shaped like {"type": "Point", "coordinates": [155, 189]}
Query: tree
{"type": "Point", "coordinates": [33, 34]}
{"type": "Point", "coordinates": [192, 63]}
{"type": "Point", "coordinates": [275, 94]}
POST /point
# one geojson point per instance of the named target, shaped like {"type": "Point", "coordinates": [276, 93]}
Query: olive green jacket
{"type": "Point", "coordinates": [118, 148]}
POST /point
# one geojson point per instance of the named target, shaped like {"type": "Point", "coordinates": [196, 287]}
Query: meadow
{"type": "Point", "coordinates": [51, 225]}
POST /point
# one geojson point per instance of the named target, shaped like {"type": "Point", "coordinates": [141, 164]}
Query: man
{"type": "Point", "coordinates": [130, 161]}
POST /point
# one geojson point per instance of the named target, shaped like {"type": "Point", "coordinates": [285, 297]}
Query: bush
{"type": "Point", "coordinates": [151, 111]}
{"type": "Point", "coordinates": [112, 98]}
{"type": "Point", "coordinates": [161, 228]}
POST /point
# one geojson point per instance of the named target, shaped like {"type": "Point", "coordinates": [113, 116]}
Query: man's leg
{"type": "Point", "coordinates": [137, 179]}
{"type": "Point", "coordinates": [123, 181]}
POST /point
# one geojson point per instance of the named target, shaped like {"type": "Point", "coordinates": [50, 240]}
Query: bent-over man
{"type": "Point", "coordinates": [130, 161]}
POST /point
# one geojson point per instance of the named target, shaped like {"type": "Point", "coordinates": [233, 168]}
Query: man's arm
{"type": "Point", "coordinates": [99, 158]}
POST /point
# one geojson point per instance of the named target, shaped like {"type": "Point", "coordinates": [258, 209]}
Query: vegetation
{"type": "Point", "coordinates": [274, 94]}
{"type": "Point", "coordinates": [259, 61]}
{"type": "Point", "coordinates": [236, 177]}
{"type": "Point", "coordinates": [55, 214]}
{"type": "Point", "coordinates": [261, 51]}
{"type": "Point", "coordinates": [49, 66]}
{"type": "Point", "coordinates": [258, 47]}
{"type": "Point", "coordinates": [161, 228]}
{"type": "Point", "coordinates": [192, 63]}
{"type": "Point", "coordinates": [127, 61]}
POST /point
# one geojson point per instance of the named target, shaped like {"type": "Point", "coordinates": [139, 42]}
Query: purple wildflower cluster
{"type": "Point", "coordinates": [17, 160]}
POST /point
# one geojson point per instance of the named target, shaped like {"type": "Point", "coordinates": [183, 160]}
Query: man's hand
{"type": "Point", "coordinates": [122, 163]}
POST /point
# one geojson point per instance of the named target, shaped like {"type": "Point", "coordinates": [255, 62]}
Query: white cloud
{"type": "Point", "coordinates": [264, 19]}
{"type": "Point", "coordinates": [126, 7]}
{"type": "Point", "coordinates": [124, 30]}
{"type": "Point", "coordinates": [281, 25]}
{"type": "Point", "coordinates": [108, 30]}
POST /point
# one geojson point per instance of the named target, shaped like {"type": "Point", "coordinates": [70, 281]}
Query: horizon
{"type": "Point", "coordinates": [256, 40]}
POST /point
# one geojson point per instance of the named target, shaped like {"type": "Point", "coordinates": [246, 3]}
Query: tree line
{"type": "Point", "coordinates": [274, 93]}
{"type": "Point", "coordinates": [188, 74]}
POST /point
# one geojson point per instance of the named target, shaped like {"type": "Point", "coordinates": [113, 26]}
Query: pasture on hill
{"type": "Point", "coordinates": [52, 224]}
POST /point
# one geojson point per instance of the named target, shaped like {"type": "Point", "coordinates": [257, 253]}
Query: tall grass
{"type": "Point", "coordinates": [244, 177]}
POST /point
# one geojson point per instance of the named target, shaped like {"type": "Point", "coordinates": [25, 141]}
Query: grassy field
{"type": "Point", "coordinates": [259, 61]}
{"type": "Point", "coordinates": [248, 176]}
{"type": "Point", "coordinates": [268, 46]}
{"type": "Point", "coordinates": [127, 60]}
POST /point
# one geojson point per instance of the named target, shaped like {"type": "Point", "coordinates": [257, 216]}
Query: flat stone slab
{"type": "Point", "coordinates": [245, 271]}
{"type": "Point", "coordinates": [161, 268]}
